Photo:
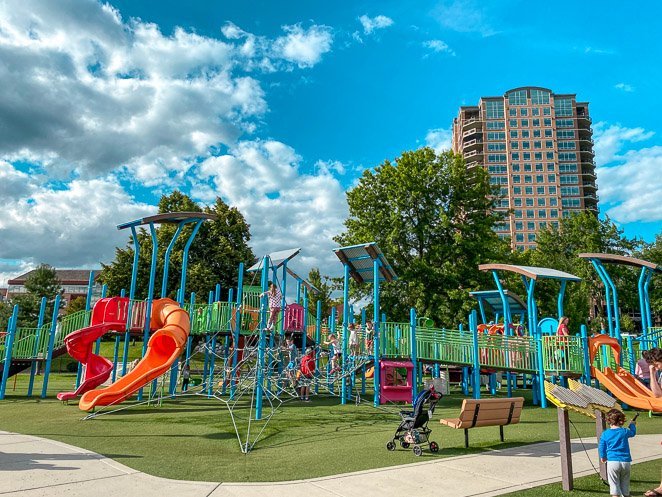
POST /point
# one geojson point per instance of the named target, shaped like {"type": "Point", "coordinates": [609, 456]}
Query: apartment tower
{"type": "Point", "coordinates": [537, 147]}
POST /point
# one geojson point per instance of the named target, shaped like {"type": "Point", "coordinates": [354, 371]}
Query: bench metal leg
{"type": "Point", "coordinates": [466, 438]}
{"type": "Point", "coordinates": [501, 432]}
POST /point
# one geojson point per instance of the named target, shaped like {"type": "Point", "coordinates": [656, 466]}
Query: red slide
{"type": "Point", "coordinates": [621, 383]}
{"type": "Point", "coordinates": [164, 347]}
{"type": "Point", "coordinates": [109, 314]}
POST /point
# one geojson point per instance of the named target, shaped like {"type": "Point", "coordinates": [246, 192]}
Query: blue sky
{"type": "Point", "coordinates": [279, 106]}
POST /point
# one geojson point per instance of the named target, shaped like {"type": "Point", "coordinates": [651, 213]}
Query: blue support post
{"type": "Point", "coordinates": [345, 332]}
{"type": "Point", "coordinates": [602, 274]}
{"type": "Point", "coordinates": [9, 345]}
{"type": "Point", "coordinates": [304, 336]}
{"type": "Point", "coordinates": [642, 304]}
{"type": "Point", "coordinates": [414, 353]}
{"type": "Point", "coordinates": [586, 376]}
{"type": "Point", "coordinates": [150, 294]}
{"type": "Point", "coordinates": [35, 349]}
{"type": "Point", "coordinates": [212, 364]}
{"type": "Point", "coordinates": [237, 328]}
{"type": "Point", "coordinates": [559, 299]}
{"type": "Point", "coordinates": [51, 341]}
{"type": "Point", "coordinates": [261, 346]}
{"type": "Point", "coordinates": [182, 282]}
{"type": "Point", "coordinates": [132, 296]}
{"type": "Point", "coordinates": [116, 351]}
{"type": "Point", "coordinates": [166, 260]}
{"type": "Point", "coordinates": [473, 326]}
{"type": "Point", "coordinates": [376, 340]}
{"type": "Point", "coordinates": [217, 293]}
{"type": "Point", "coordinates": [283, 304]}
{"type": "Point", "coordinates": [318, 338]}
{"type": "Point", "coordinates": [631, 357]}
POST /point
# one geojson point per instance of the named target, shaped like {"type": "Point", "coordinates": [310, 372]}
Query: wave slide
{"type": "Point", "coordinates": [621, 383]}
{"type": "Point", "coordinates": [106, 316]}
{"type": "Point", "coordinates": [164, 347]}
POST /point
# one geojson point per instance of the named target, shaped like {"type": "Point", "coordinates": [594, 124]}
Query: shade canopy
{"type": "Point", "coordinates": [493, 299]}
{"type": "Point", "coordinates": [532, 272]}
{"type": "Point", "coordinates": [169, 217]}
{"type": "Point", "coordinates": [360, 260]}
{"type": "Point", "coordinates": [276, 259]}
{"type": "Point", "coordinates": [621, 259]}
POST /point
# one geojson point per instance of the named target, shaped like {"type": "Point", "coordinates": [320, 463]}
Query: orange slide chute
{"type": "Point", "coordinates": [108, 315]}
{"type": "Point", "coordinates": [164, 347]}
{"type": "Point", "coordinates": [621, 383]}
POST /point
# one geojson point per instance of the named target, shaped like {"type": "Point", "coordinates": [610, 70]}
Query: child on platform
{"type": "Point", "coordinates": [334, 352]}
{"type": "Point", "coordinates": [306, 373]}
{"type": "Point", "coordinates": [614, 449]}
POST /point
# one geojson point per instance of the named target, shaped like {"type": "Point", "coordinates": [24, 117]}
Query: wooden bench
{"type": "Point", "coordinates": [486, 412]}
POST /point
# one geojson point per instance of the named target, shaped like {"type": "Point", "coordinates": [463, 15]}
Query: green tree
{"type": "Point", "coordinates": [325, 285]}
{"type": "Point", "coordinates": [214, 256]}
{"type": "Point", "coordinates": [433, 219]}
{"type": "Point", "coordinates": [653, 252]}
{"type": "Point", "coordinates": [558, 248]}
{"type": "Point", "coordinates": [42, 282]}
{"type": "Point", "coordinates": [76, 305]}
{"type": "Point", "coordinates": [5, 314]}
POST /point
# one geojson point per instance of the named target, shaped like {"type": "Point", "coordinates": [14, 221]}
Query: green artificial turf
{"type": "Point", "coordinates": [192, 437]}
{"type": "Point", "coordinates": [644, 477]}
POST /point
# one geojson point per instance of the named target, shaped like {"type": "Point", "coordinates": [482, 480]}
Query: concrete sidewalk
{"type": "Point", "coordinates": [32, 466]}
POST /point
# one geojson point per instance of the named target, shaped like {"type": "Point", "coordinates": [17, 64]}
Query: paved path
{"type": "Point", "coordinates": [32, 466]}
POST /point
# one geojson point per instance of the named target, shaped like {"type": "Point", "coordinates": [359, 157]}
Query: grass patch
{"type": "Point", "coordinates": [192, 438]}
{"type": "Point", "coordinates": [644, 477]}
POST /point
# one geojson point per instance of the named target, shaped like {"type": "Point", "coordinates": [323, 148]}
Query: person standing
{"type": "Point", "coordinates": [614, 449]}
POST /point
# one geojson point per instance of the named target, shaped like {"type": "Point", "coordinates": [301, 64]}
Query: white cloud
{"type": "Point", "coordinates": [48, 223]}
{"type": "Point", "coordinates": [304, 47]}
{"type": "Point", "coordinates": [285, 207]}
{"type": "Point", "coordinates": [628, 181]}
{"type": "Point", "coordinates": [610, 139]}
{"type": "Point", "coordinates": [371, 24]}
{"type": "Point", "coordinates": [438, 46]}
{"type": "Point", "coordinates": [439, 139]}
{"type": "Point", "coordinates": [464, 16]}
{"type": "Point", "coordinates": [624, 87]}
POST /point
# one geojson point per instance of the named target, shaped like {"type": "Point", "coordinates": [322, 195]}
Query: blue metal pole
{"type": "Point", "coordinates": [602, 274]}
{"type": "Point", "coordinates": [212, 364]}
{"type": "Point", "coordinates": [182, 283]}
{"type": "Point", "coordinates": [97, 345]}
{"type": "Point", "coordinates": [51, 341]}
{"type": "Point", "coordinates": [345, 321]}
{"type": "Point", "coordinates": [414, 353]}
{"type": "Point", "coordinates": [304, 336]}
{"type": "Point", "coordinates": [473, 326]}
{"type": "Point", "coordinates": [217, 293]}
{"type": "Point", "coordinates": [377, 352]}
{"type": "Point", "coordinates": [559, 300]}
{"type": "Point", "coordinates": [587, 362]}
{"type": "Point", "coordinates": [166, 260]}
{"type": "Point", "coordinates": [132, 296]}
{"type": "Point", "coordinates": [116, 351]}
{"type": "Point", "coordinates": [283, 303]}
{"type": "Point", "coordinates": [298, 291]}
{"type": "Point", "coordinates": [150, 294]}
{"type": "Point", "coordinates": [237, 328]}
{"type": "Point", "coordinates": [318, 338]}
{"type": "Point", "coordinates": [647, 302]}
{"type": "Point", "coordinates": [263, 324]}
{"type": "Point", "coordinates": [35, 349]}
{"type": "Point", "coordinates": [9, 345]}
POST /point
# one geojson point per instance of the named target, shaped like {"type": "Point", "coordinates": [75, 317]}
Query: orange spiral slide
{"type": "Point", "coordinates": [164, 347]}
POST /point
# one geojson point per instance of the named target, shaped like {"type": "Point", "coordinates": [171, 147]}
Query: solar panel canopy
{"type": "Point", "coordinates": [360, 260]}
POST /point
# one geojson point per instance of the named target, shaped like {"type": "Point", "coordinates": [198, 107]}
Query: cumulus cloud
{"type": "Point", "coordinates": [284, 206]}
{"type": "Point", "coordinates": [611, 138]}
{"type": "Point", "coordinates": [304, 47]}
{"type": "Point", "coordinates": [439, 139]}
{"type": "Point", "coordinates": [464, 16]}
{"type": "Point", "coordinates": [43, 223]}
{"type": "Point", "coordinates": [438, 46]}
{"type": "Point", "coordinates": [628, 180]}
{"type": "Point", "coordinates": [371, 24]}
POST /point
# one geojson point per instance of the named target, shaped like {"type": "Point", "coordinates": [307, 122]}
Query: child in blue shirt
{"type": "Point", "coordinates": [614, 449]}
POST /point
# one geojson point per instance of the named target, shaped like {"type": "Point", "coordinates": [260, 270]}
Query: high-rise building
{"type": "Point", "coordinates": [537, 147]}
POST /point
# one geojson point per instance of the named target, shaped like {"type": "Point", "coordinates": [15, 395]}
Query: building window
{"type": "Point", "coordinates": [518, 213]}
{"type": "Point", "coordinates": [519, 237]}
{"type": "Point", "coordinates": [496, 135]}
{"type": "Point", "coordinates": [563, 107]}
{"type": "Point", "coordinates": [526, 155]}
{"type": "Point", "coordinates": [542, 225]}
{"type": "Point", "coordinates": [530, 214]}
{"type": "Point", "coordinates": [524, 123]}
{"type": "Point", "coordinates": [535, 112]}
{"type": "Point", "coordinates": [496, 147]}
{"type": "Point", "coordinates": [538, 155]}
{"type": "Point", "coordinates": [542, 214]}
{"type": "Point", "coordinates": [537, 144]}
{"type": "Point", "coordinates": [568, 168]}
{"type": "Point", "coordinates": [539, 97]}
{"type": "Point", "coordinates": [551, 178]}
{"type": "Point", "coordinates": [539, 167]}
{"type": "Point", "coordinates": [515, 168]}
{"type": "Point", "coordinates": [531, 237]}
{"type": "Point", "coordinates": [550, 166]}
{"type": "Point", "coordinates": [541, 202]}
{"type": "Point", "coordinates": [523, 112]}
{"type": "Point", "coordinates": [565, 123]}
{"type": "Point", "coordinates": [527, 167]}
{"type": "Point", "coordinates": [496, 157]}
{"type": "Point", "coordinates": [517, 97]}
{"type": "Point", "coordinates": [531, 226]}
{"type": "Point", "coordinates": [550, 155]}
{"type": "Point", "coordinates": [525, 133]}
{"type": "Point", "coordinates": [517, 190]}
{"type": "Point", "coordinates": [536, 133]}
{"type": "Point", "coordinates": [495, 125]}
{"type": "Point", "coordinates": [567, 191]}
{"type": "Point", "coordinates": [567, 156]}
{"type": "Point", "coordinates": [536, 123]}
{"type": "Point", "coordinates": [512, 112]}
{"type": "Point", "coordinates": [569, 179]}
{"type": "Point", "coordinates": [554, 214]}
{"type": "Point", "coordinates": [548, 133]}
{"type": "Point", "coordinates": [528, 190]}
{"type": "Point", "coordinates": [513, 134]}
{"type": "Point", "coordinates": [519, 225]}
{"type": "Point", "coordinates": [526, 145]}
{"type": "Point", "coordinates": [528, 201]}
{"type": "Point", "coordinates": [546, 111]}
{"type": "Point", "coordinates": [547, 122]}
{"type": "Point", "coordinates": [528, 179]}
{"type": "Point", "coordinates": [565, 145]}
{"type": "Point", "coordinates": [514, 145]}
{"type": "Point", "coordinates": [516, 178]}
{"type": "Point", "coordinates": [494, 109]}
{"type": "Point", "coordinates": [565, 133]}
{"type": "Point", "coordinates": [552, 190]}
{"type": "Point", "coordinates": [514, 156]}
{"type": "Point", "coordinates": [553, 202]}
{"type": "Point", "coordinates": [540, 190]}
{"type": "Point", "coordinates": [517, 202]}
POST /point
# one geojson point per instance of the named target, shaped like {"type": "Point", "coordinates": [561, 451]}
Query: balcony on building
{"type": "Point", "coordinates": [474, 144]}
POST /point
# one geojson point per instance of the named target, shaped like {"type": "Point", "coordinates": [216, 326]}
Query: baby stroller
{"type": "Point", "coordinates": [413, 429]}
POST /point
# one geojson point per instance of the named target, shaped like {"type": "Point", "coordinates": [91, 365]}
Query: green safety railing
{"type": "Point", "coordinates": [211, 318]}
{"type": "Point", "coordinates": [446, 346]}
{"type": "Point", "coordinates": [654, 337]}
{"type": "Point", "coordinates": [394, 339]}
{"type": "Point", "coordinates": [507, 352]}
{"type": "Point", "coordinates": [563, 355]}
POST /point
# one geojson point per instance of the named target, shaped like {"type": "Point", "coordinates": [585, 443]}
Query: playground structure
{"type": "Point", "coordinates": [243, 364]}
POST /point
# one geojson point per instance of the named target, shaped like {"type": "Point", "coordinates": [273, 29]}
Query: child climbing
{"type": "Point", "coordinates": [354, 339]}
{"type": "Point", "coordinates": [275, 301]}
{"type": "Point", "coordinates": [305, 374]}
{"type": "Point", "coordinates": [334, 353]}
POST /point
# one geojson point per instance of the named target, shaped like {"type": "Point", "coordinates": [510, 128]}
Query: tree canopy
{"type": "Point", "coordinates": [214, 256]}
{"type": "Point", "coordinates": [432, 218]}
{"type": "Point", "coordinates": [42, 282]}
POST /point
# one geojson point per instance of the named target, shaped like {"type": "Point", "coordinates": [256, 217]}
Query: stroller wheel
{"type": "Point", "coordinates": [405, 445]}
{"type": "Point", "coordinates": [417, 450]}
{"type": "Point", "coordinates": [434, 447]}
{"type": "Point", "coordinates": [390, 446]}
